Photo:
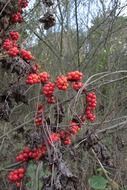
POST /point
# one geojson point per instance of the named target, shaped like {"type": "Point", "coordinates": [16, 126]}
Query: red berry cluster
{"type": "Point", "coordinates": [17, 18]}
{"type": "Point", "coordinates": [35, 68]}
{"type": "Point", "coordinates": [74, 76]}
{"type": "Point", "coordinates": [16, 176]}
{"type": "Point", "coordinates": [62, 83]}
{"type": "Point", "coordinates": [39, 116]}
{"type": "Point", "coordinates": [25, 155]}
{"type": "Point", "coordinates": [13, 52]}
{"type": "Point", "coordinates": [74, 128]}
{"type": "Point", "coordinates": [28, 154]}
{"type": "Point", "coordinates": [39, 152]}
{"type": "Point", "coordinates": [77, 85]}
{"type": "Point", "coordinates": [14, 35]}
{"type": "Point", "coordinates": [9, 44]}
{"type": "Point", "coordinates": [51, 99]}
{"type": "Point", "coordinates": [91, 105]}
{"type": "Point", "coordinates": [54, 137]}
{"type": "Point", "coordinates": [65, 136]}
{"type": "Point", "coordinates": [12, 48]}
{"type": "Point", "coordinates": [32, 79]}
{"type": "Point", "coordinates": [26, 54]}
{"type": "Point", "coordinates": [22, 3]}
{"type": "Point", "coordinates": [44, 77]}
{"type": "Point", "coordinates": [48, 89]}
{"type": "Point", "coordinates": [35, 78]}
{"type": "Point", "coordinates": [67, 140]}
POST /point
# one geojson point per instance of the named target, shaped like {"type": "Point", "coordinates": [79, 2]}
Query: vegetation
{"type": "Point", "coordinates": [63, 95]}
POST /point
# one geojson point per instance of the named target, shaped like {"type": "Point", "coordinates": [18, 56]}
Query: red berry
{"type": "Point", "coordinates": [20, 175]}
{"type": "Point", "coordinates": [25, 155]}
{"type": "Point", "coordinates": [18, 184]}
{"type": "Point", "coordinates": [20, 158]}
{"type": "Point", "coordinates": [21, 170]}
{"type": "Point", "coordinates": [10, 177]}
{"type": "Point", "coordinates": [26, 150]}
{"type": "Point", "coordinates": [15, 177]}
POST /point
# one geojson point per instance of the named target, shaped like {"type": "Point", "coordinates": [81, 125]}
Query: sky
{"type": "Point", "coordinates": [87, 11]}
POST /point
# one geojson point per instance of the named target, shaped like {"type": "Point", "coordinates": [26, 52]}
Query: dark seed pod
{"type": "Point", "coordinates": [47, 3]}
{"type": "Point", "coordinates": [4, 111]}
{"type": "Point", "coordinates": [48, 19]}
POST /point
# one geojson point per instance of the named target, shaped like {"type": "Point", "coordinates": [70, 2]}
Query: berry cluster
{"type": "Point", "coordinates": [25, 155]}
{"type": "Point", "coordinates": [26, 54]}
{"type": "Point", "coordinates": [13, 52]}
{"type": "Point", "coordinates": [10, 44]}
{"type": "Point", "coordinates": [35, 68]}
{"type": "Point", "coordinates": [44, 77]}
{"type": "Point", "coordinates": [22, 3]}
{"type": "Point", "coordinates": [74, 128]}
{"type": "Point", "coordinates": [17, 18]}
{"type": "Point", "coordinates": [77, 85]}
{"type": "Point", "coordinates": [7, 44]}
{"type": "Point", "coordinates": [51, 99]}
{"type": "Point", "coordinates": [54, 137]}
{"type": "Point", "coordinates": [14, 35]}
{"type": "Point", "coordinates": [16, 176]}
{"type": "Point", "coordinates": [74, 76]}
{"type": "Point", "coordinates": [91, 105]}
{"type": "Point", "coordinates": [62, 83]}
{"type": "Point", "coordinates": [28, 154]}
{"type": "Point", "coordinates": [48, 89]}
{"type": "Point", "coordinates": [39, 152]}
{"type": "Point", "coordinates": [39, 115]}
{"type": "Point", "coordinates": [32, 79]}
{"type": "Point", "coordinates": [12, 48]}
{"type": "Point", "coordinates": [35, 78]}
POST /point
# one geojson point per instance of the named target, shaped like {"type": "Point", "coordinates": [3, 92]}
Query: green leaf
{"type": "Point", "coordinates": [28, 185]}
{"type": "Point", "coordinates": [97, 182]}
